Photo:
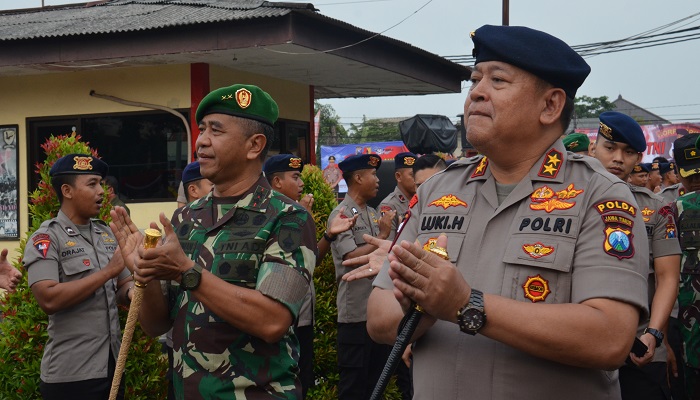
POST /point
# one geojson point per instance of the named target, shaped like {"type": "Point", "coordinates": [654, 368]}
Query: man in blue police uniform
{"type": "Point", "coordinates": [619, 146]}
{"type": "Point", "coordinates": [77, 277]}
{"type": "Point", "coordinates": [537, 285]}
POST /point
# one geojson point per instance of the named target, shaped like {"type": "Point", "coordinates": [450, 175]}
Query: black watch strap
{"type": "Point", "coordinates": [657, 334]}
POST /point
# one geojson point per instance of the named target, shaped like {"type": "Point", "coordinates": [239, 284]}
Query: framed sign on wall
{"type": "Point", "coordinates": [9, 182]}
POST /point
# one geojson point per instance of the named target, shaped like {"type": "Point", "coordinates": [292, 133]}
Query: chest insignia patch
{"type": "Point", "coordinates": [70, 243]}
{"type": "Point", "coordinates": [536, 288]}
{"type": "Point", "coordinates": [545, 198]}
{"type": "Point", "coordinates": [537, 250]}
{"type": "Point", "coordinates": [448, 201]}
{"type": "Point", "coordinates": [384, 209]}
{"type": "Point", "coordinates": [42, 242]}
{"type": "Point", "coordinates": [481, 168]}
{"type": "Point", "coordinates": [86, 262]}
{"type": "Point", "coordinates": [413, 202]}
{"type": "Point", "coordinates": [646, 214]}
{"type": "Point", "coordinates": [431, 243]}
{"type": "Point", "coordinates": [401, 198]}
{"type": "Point", "coordinates": [551, 164]}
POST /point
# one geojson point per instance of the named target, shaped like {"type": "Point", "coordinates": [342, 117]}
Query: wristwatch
{"type": "Point", "coordinates": [472, 317]}
{"type": "Point", "coordinates": [657, 334]}
{"type": "Point", "coordinates": [191, 278]}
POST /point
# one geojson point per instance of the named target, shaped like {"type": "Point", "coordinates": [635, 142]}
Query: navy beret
{"type": "Point", "coordinates": [618, 127]}
{"type": "Point", "coordinates": [283, 163]}
{"type": "Point", "coordinates": [404, 160]}
{"type": "Point", "coordinates": [639, 168]}
{"type": "Point", "coordinates": [537, 52]}
{"type": "Point", "coordinates": [74, 164]}
{"type": "Point", "coordinates": [687, 155]}
{"type": "Point", "coordinates": [664, 167]}
{"type": "Point", "coordinates": [653, 166]}
{"type": "Point", "coordinates": [191, 173]}
{"type": "Point", "coordinates": [360, 161]}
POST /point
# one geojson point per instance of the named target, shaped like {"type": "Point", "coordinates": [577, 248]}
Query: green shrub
{"type": "Point", "coordinates": [23, 327]}
{"type": "Point", "coordinates": [326, 328]}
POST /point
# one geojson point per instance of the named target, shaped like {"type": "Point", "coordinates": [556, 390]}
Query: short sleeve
{"type": "Point", "coordinates": [40, 258]}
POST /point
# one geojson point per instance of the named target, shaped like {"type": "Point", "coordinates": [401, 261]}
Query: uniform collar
{"type": "Point", "coordinates": [69, 226]}
{"type": "Point", "coordinates": [256, 198]}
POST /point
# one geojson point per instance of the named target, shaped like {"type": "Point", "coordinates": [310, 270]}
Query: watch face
{"type": "Point", "coordinates": [473, 319]}
{"type": "Point", "coordinates": [190, 280]}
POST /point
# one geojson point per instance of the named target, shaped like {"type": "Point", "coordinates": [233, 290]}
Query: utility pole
{"type": "Point", "coordinates": [505, 13]}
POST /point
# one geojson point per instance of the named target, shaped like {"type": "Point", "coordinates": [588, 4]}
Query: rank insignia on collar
{"type": "Point", "coordinates": [401, 198]}
{"type": "Point", "coordinates": [545, 198]}
{"type": "Point", "coordinates": [537, 250]}
{"type": "Point", "coordinates": [448, 201]}
{"type": "Point", "coordinates": [243, 98]}
{"type": "Point", "coordinates": [413, 202]}
{"type": "Point", "coordinates": [69, 230]}
{"type": "Point", "coordinates": [646, 214]}
{"type": "Point", "coordinates": [618, 241]}
{"type": "Point", "coordinates": [354, 211]}
{"type": "Point", "coordinates": [536, 288]}
{"type": "Point", "coordinates": [481, 168]}
{"type": "Point", "coordinates": [551, 164]}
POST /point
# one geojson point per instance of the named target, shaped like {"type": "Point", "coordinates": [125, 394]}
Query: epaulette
{"type": "Point", "coordinates": [593, 164]}
{"type": "Point", "coordinates": [671, 188]}
{"type": "Point", "coordinates": [645, 191]}
{"type": "Point", "coordinates": [465, 162]}
{"type": "Point", "coordinates": [99, 221]}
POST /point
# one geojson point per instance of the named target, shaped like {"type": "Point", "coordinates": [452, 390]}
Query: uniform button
{"type": "Point", "coordinates": [578, 156]}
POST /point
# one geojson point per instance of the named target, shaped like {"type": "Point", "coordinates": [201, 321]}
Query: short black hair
{"type": "Point", "coordinates": [272, 176]}
{"type": "Point", "coordinates": [429, 161]}
{"type": "Point", "coordinates": [60, 180]}
{"type": "Point", "coordinates": [252, 127]}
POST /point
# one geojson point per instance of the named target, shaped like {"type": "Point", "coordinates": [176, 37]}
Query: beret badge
{"type": "Point", "coordinates": [82, 163]}
{"type": "Point", "coordinates": [637, 168]}
{"type": "Point", "coordinates": [373, 161]}
{"type": "Point", "coordinates": [243, 97]}
{"type": "Point", "coordinates": [409, 161]}
{"type": "Point", "coordinates": [295, 162]}
{"type": "Point", "coordinates": [606, 131]}
{"type": "Point", "coordinates": [572, 145]}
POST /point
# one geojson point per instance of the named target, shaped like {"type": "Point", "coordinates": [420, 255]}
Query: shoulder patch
{"type": "Point", "coordinates": [551, 164]}
{"type": "Point", "coordinates": [616, 205]}
{"type": "Point", "coordinates": [41, 243]}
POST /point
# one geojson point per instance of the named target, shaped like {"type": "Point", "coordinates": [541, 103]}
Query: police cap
{"type": "Point", "coordinates": [283, 163]}
{"type": "Point", "coordinates": [360, 161]}
{"type": "Point", "coordinates": [74, 164]}
{"type": "Point", "coordinates": [618, 127]}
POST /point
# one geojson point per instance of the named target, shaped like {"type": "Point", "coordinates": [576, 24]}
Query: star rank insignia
{"type": "Point", "coordinates": [551, 164]}
{"type": "Point", "coordinates": [481, 168]}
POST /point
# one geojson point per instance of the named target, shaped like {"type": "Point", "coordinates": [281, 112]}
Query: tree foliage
{"type": "Point", "coordinates": [375, 130]}
{"type": "Point", "coordinates": [592, 107]}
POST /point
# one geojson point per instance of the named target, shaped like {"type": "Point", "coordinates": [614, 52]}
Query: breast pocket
{"type": "Point", "coordinates": [539, 268]}
{"type": "Point", "coordinates": [238, 261]}
{"type": "Point", "coordinates": [453, 225]}
{"type": "Point", "coordinates": [77, 267]}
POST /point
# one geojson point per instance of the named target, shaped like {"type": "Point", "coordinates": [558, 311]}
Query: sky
{"type": "Point", "coordinates": [662, 79]}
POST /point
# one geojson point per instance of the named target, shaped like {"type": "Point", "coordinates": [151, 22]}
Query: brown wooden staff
{"type": "Point", "coordinates": [150, 241]}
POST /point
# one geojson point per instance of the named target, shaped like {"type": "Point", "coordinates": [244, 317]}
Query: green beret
{"type": "Point", "coordinates": [576, 142]}
{"type": "Point", "coordinates": [244, 101]}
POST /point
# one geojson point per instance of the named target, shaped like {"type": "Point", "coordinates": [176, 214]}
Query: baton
{"type": "Point", "coordinates": [407, 327]}
{"type": "Point", "coordinates": [150, 241]}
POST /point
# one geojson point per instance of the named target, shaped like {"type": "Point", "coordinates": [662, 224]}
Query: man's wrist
{"type": "Point", "coordinates": [329, 237]}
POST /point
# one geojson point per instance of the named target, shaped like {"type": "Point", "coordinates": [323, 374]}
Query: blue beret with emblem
{"type": "Point", "coordinates": [639, 168]}
{"type": "Point", "coordinates": [539, 53]}
{"type": "Point", "coordinates": [244, 101]}
{"type": "Point", "coordinates": [360, 161]}
{"type": "Point", "coordinates": [619, 127]}
{"type": "Point", "coordinates": [404, 160]}
{"type": "Point", "coordinates": [75, 164]}
{"type": "Point", "coordinates": [283, 163]}
{"type": "Point", "coordinates": [687, 155]}
{"type": "Point", "coordinates": [191, 173]}
{"type": "Point", "coordinates": [665, 167]}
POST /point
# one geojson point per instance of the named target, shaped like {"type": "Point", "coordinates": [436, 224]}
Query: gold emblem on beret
{"type": "Point", "coordinates": [373, 161]}
{"type": "Point", "coordinates": [295, 162]}
{"type": "Point", "coordinates": [637, 168]}
{"type": "Point", "coordinates": [606, 131]}
{"type": "Point", "coordinates": [654, 166]}
{"type": "Point", "coordinates": [472, 34]}
{"type": "Point", "coordinates": [572, 145]}
{"type": "Point", "coordinates": [82, 163]}
{"type": "Point", "coordinates": [409, 161]}
{"type": "Point", "coordinates": [243, 98]}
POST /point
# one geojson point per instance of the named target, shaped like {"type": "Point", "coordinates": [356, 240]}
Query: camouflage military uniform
{"type": "Point", "coordinates": [688, 214]}
{"type": "Point", "coordinates": [262, 241]}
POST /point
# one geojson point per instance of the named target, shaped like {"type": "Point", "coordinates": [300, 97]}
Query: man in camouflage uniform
{"type": "Point", "coordinates": [405, 189]}
{"type": "Point", "coordinates": [619, 147]}
{"type": "Point", "coordinates": [243, 255]}
{"type": "Point", "coordinates": [687, 155]}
